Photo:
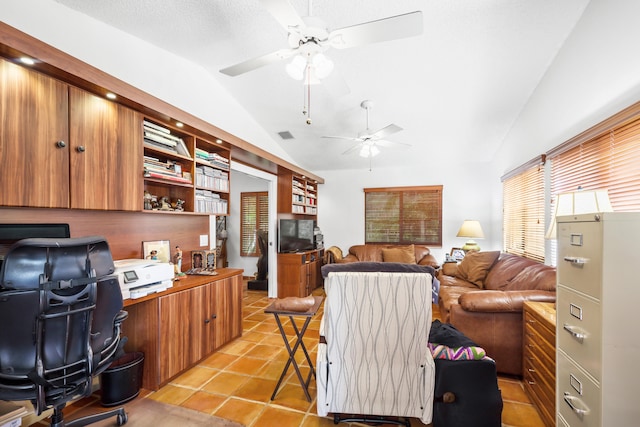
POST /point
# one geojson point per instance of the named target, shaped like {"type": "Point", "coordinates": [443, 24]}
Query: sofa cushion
{"type": "Point", "coordinates": [505, 269]}
{"type": "Point", "coordinates": [403, 254]}
{"type": "Point", "coordinates": [540, 276]}
{"type": "Point", "coordinates": [475, 266]}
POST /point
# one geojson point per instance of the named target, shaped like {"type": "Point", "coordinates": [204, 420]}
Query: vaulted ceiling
{"type": "Point", "coordinates": [455, 89]}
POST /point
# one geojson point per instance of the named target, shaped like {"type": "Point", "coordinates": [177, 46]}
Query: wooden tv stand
{"type": "Point", "coordinates": [299, 273]}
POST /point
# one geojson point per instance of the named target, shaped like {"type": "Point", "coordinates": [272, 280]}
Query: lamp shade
{"type": "Point", "coordinates": [471, 229]}
{"type": "Point", "coordinates": [578, 202]}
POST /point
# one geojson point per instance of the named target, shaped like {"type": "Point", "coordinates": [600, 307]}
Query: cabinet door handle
{"type": "Point", "coordinates": [207, 320]}
{"type": "Point", "coordinates": [571, 401]}
{"type": "Point", "coordinates": [575, 332]}
{"type": "Point", "coordinates": [61, 144]}
{"type": "Point", "coordinates": [80, 149]}
{"type": "Point", "coordinates": [577, 261]}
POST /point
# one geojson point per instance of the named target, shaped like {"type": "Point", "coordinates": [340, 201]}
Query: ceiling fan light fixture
{"type": "Point", "coordinates": [322, 65]}
{"type": "Point", "coordinates": [296, 67]}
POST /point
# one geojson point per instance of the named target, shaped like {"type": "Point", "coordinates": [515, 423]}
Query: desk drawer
{"type": "Point", "coordinates": [576, 393]}
{"type": "Point", "coordinates": [582, 316]}
{"type": "Point", "coordinates": [580, 260]}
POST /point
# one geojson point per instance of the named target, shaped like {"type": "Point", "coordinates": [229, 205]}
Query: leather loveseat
{"type": "Point", "coordinates": [407, 254]}
{"type": "Point", "coordinates": [483, 295]}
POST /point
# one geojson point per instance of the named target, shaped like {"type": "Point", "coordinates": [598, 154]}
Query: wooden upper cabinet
{"type": "Point", "coordinates": [34, 138]}
{"type": "Point", "coordinates": [105, 154]}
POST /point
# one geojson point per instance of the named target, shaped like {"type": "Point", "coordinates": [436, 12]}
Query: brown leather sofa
{"type": "Point", "coordinates": [483, 295]}
{"type": "Point", "coordinates": [408, 254]}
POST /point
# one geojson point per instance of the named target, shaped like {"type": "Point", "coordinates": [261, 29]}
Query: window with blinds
{"type": "Point", "coordinates": [254, 216]}
{"type": "Point", "coordinates": [609, 161]}
{"type": "Point", "coordinates": [404, 215]}
{"type": "Point", "coordinates": [523, 213]}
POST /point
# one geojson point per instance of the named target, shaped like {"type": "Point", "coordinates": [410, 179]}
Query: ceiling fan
{"type": "Point", "coordinates": [368, 141]}
{"type": "Point", "coordinates": [309, 37]}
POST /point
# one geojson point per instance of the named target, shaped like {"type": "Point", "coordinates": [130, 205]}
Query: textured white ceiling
{"type": "Point", "coordinates": [455, 90]}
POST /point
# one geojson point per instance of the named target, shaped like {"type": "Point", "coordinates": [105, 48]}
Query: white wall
{"type": "Point", "coordinates": [595, 75]}
{"type": "Point", "coordinates": [465, 196]}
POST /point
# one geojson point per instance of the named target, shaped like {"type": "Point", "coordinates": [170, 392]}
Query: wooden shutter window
{"type": "Point", "coordinates": [404, 215]}
{"type": "Point", "coordinates": [254, 215]}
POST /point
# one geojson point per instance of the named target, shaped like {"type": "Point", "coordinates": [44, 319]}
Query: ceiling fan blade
{"type": "Point", "coordinates": [385, 131]}
{"type": "Point", "coordinates": [252, 64]}
{"type": "Point", "coordinates": [354, 148]}
{"type": "Point", "coordinates": [385, 143]}
{"type": "Point", "coordinates": [348, 138]}
{"type": "Point", "coordinates": [395, 27]}
{"type": "Point", "coordinates": [284, 13]}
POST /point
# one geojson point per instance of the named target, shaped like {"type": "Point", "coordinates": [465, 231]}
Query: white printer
{"type": "Point", "coordinates": [140, 277]}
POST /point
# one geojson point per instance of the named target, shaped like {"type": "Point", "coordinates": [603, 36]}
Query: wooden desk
{"type": "Point", "coordinates": [177, 328]}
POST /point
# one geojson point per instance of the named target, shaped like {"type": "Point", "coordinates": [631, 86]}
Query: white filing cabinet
{"type": "Point", "coordinates": [598, 305]}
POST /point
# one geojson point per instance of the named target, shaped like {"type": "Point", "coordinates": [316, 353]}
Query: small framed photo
{"type": "Point", "coordinates": [198, 259]}
{"type": "Point", "coordinates": [457, 254]}
{"type": "Point", "coordinates": [157, 250]}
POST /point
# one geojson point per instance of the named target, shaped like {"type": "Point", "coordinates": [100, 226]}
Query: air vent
{"type": "Point", "coordinates": [285, 135]}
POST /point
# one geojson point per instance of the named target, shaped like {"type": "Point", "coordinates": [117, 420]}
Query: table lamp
{"type": "Point", "coordinates": [578, 202]}
{"type": "Point", "coordinates": [470, 229]}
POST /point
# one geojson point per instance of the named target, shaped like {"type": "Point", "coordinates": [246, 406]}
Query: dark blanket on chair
{"type": "Point", "coordinates": [386, 267]}
{"type": "Point", "coordinates": [446, 334]}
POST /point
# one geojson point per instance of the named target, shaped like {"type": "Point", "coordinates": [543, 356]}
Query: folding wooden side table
{"type": "Point", "coordinates": [299, 343]}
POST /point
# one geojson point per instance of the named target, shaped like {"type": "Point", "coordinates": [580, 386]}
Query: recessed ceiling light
{"type": "Point", "coordinates": [27, 61]}
{"type": "Point", "coordinates": [111, 95]}
{"type": "Point", "coordinates": [218, 141]}
{"type": "Point", "coordinates": [179, 124]}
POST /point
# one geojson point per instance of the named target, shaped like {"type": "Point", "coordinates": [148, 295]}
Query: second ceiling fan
{"type": "Point", "coordinates": [368, 141]}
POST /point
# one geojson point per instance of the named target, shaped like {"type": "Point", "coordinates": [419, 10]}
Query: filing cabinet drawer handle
{"type": "Point", "coordinates": [574, 260]}
{"type": "Point", "coordinates": [575, 332]}
{"type": "Point", "coordinates": [571, 401]}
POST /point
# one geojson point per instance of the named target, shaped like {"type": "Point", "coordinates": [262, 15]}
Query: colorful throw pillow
{"type": "Point", "coordinates": [439, 351]}
{"type": "Point", "coordinates": [404, 255]}
{"type": "Point", "coordinates": [475, 266]}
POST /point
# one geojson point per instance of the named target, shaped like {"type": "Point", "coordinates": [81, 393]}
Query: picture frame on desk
{"type": "Point", "coordinates": [157, 250]}
{"type": "Point", "coordinates": [457, 254]}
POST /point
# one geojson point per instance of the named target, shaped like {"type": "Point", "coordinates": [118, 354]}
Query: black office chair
{"type": "Point", "coordinates": [60, 320]}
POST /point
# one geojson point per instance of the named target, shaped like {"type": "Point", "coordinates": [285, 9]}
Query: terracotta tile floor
{"type": "Point", "coordinates": [236, 382]}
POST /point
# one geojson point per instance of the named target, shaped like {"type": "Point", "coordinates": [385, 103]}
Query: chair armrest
{"type": "Point", "coordinates": [502, 301]}
{"type": "Point", "coordinates": [332, 255]}
{"type": "Point", "coordinates": [429, 260]}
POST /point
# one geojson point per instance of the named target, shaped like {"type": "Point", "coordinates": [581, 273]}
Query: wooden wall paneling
{"type": "Point", "coordinates": [125, 231]}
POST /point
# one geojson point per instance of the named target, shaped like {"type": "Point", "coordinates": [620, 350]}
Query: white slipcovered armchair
{"type": "Point", "coordinates": [373, 359]}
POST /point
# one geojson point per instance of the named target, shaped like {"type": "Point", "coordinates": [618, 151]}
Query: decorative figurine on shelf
{"type": "Point", "coordinates": [148, 198]}
{"type": "Point", "coordinates": [179, 205]}
{"type": "Point", "coordinates": [177, 262]}
{"type": "Point", "coordinates": [164, 204]}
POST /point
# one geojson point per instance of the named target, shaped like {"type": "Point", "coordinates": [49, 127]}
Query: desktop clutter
{"type": "Point", "coordinates": [142, 277]}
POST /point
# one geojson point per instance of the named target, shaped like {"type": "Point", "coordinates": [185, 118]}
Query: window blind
{"type": "Point", "coordinates": [254, 216]}
{"type": "Point", "coordinates": [404, 215]}
{"type": "Point", "coordinates": [523, 213]}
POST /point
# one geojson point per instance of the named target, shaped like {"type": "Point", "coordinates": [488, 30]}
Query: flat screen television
{"type": "Point", "coordinates": [295, 235]}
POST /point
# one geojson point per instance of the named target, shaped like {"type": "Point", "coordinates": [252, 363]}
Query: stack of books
{"type": "Point", "coordinates": [155, 168]}
{"type": "Point", "coordinates": [210, 202]}
{"type": "Point", "coordinates": [214, 158]}
{"type": "Point", "coordinates": [211, 178]}
{"type": "Point", "coordinates": [157, 136]}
